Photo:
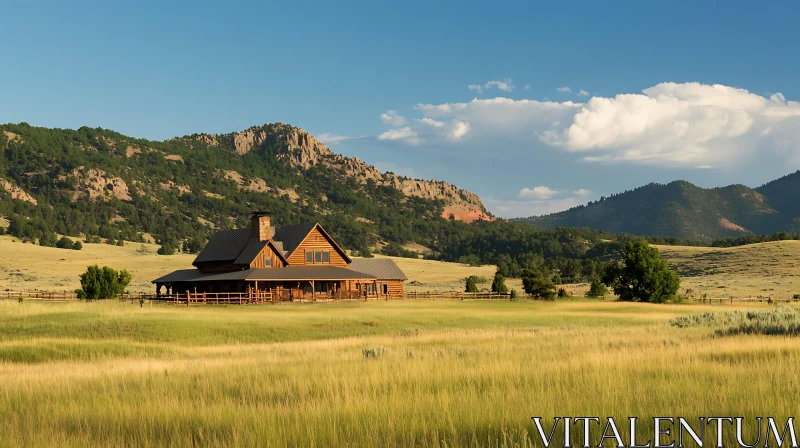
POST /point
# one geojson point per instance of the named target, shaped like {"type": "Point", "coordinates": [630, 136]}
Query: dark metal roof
{"type": "Point", "coordinates": [250, 251]}
{"type": "Point", "coordinates": [275, 274]}
{"type": "Point", "coordinates": [224, 246]}
{"type": "Point", "coordinates": [291, 236]}
{"type": "Point", "coordinates": [380, 268]}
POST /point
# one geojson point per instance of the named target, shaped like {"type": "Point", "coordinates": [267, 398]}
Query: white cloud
{"type": "Point", "coordinates": [540, 192]}
{"type": "Point", "coordinates": [432, 122]}
{"type": "Point", "coordinates": [331, 139]}
{"type": "Point", "coordinates": [521, 208]}
{"type": "Point", "coordinates": [564, 90]}
{"type": "Point", "coordinates": [391, 118]}
{"type": "Point", "coordinates": [405, 134]}
{"type": "Point", "coordinates": [582, 192]}
{"type": "Point", "coordinates": [505, 85]}
{"type": "Point", "coordinates": [458, 129]}
{"type": "Point", "coordinates": [527, 86]}
{"type": "Point", "coordinates": [583, 93]}
{"type": "Point", "coordinates": [687, 124]}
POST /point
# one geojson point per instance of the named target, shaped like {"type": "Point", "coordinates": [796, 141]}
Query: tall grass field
{"type": "Point", "coordinates": [405, 373]}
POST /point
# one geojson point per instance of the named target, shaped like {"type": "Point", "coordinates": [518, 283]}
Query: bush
{"type": "Point", "coordinates": [597, 289]}
{"type": "Point", "coordinates": [499, 284]}
{"type": "Point", "coordinates": [77, 245]}
{"type": "Point", "coordinates": [563, 294]}
{"type": "Point", "coordinates": [166, 249]}
{"type": "Point", "coordinates": [513, 293]}
{"type": "Point", "coordinates": [105, 283]}
{"type": "Point", "coordinates": [471, 284]}
{"type": "Point", "coordinates": [64, 243]}
{"type": "Point", "coordinates": [776, 321]}
{"type": "Point", "coordinates": [642, 275]}
{"type": "Point", "coordinates": [120, 242]}
{"type": "Point", "coordinates": [48, 239]}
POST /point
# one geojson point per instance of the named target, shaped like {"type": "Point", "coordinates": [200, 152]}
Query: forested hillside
{"type": "Point", "coordinates": [682, 210]}
{"type": "Point", "coordinates": [98, 183]}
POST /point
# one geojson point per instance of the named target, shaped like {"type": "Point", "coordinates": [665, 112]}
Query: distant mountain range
{"type": "Point", "coordinates": [683, 210]}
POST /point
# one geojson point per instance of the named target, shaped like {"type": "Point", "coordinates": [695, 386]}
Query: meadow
{"type": "Point", "coordinates": [397, 373]}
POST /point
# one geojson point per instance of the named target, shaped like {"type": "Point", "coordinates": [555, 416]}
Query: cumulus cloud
{"type": "Point", "coordinates": [564, 89]}
{"type": "Point", "coordinates": [540, 192]}
{"type": "Point", "coordinates": [331, 139]}
{"type": "Point", "coordinates": [525, 208]}
{"type": "Point", "coordinates": [505, 85]}
{"type": "Point", "coordinates": [391, 118]}
{"type": "Point", "coordinates": [527, 86]}
{"type": "Point", "coordinates": [582, 192]}
{"type": "Point", "coordinates": [405, 134]}
{"type": "Point", "coordinates": [687, 124]}
{"type": "Point", "coordinates": [583, 93]}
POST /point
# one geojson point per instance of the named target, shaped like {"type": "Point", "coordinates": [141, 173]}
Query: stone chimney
{"type": "Point", "coordinates": [260, 226]}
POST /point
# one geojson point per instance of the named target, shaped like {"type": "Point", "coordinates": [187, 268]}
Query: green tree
{"type": "Point", "coordinates": [472, 284]}
{"type": "Point", "coordinates": [597, 289]}
{"type": "Point", "coordinates": [103, 283]}
{"type": "Point", "coordinates": [48, 239]}
{"type": "Point", "coordinates": [77, 245]}
{"type": "Point", "coordinates": [166, 249]}
{"type": "Point", "coordinates": [537, 285]}
{"type": "Point", "coordinates": [499, 284]}
{"type": "Point", "coordinates": [641, 275]}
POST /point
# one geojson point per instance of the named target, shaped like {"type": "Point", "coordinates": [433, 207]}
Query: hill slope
{"type": "Point", "coordinates": [99, 182]}
{"type": "Point", "coordinates": [680, 209]}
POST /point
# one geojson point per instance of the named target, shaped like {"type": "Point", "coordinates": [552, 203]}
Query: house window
{"type": "Point", "coordinates": [318, 256]}
{"type": "Point", "coordinates": [268, 262]}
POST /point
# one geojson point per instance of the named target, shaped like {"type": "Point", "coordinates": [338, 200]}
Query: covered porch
{"type": "Point", "coordinates": [292, 283]}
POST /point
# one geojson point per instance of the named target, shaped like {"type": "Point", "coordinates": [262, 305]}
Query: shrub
{"type": "Point", "coordinates": [776, 321]}
{"type": "Point", "coordinates": [120, 242]}
{"type": "Point", "coordinates": [64, 243]}
{"type": "Point", "coordinates": [373, 353]}
{"type": "Point", "coordinates": [513, 293]}
{"type": "Point", "coordinates": [105, 283]}
{"type": "Point", "coordinates": [563, 294]}
{"type": "Point", "coordinates": [499, 284]}
{"type": "Point", "coordinates": [597, 289]}
{"type": "Point", "coordinates": [48, 239]}
{"type": "Point", "coordinates": [166, 249]}
{"type": "Point", "coordinates": [471, 284]}
{"type": "Point", "coordinates": [77, 245]}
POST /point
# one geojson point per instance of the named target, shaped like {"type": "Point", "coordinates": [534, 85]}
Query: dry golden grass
{"type": "Point", "coordinates": [766, 269]}
{"type": "Point", "coordinates": [447, 373]}
{"type": "Point", "coordinates": [28, 266]}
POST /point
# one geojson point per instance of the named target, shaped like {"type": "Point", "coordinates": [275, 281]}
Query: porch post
{"type": "Point", "coordinates": [313, 290]}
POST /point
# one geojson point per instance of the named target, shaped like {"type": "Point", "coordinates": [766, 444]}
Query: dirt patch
{"type": "Point", "coordinates": [130, 151]}
{"type": "Point", "coordinates": [174, 158]}
{"type": "Point", "coordinates": [16, 192]}
{"type": "Point", "coordinates": [213, 195]}
{"type": "Point", "coordinates": [725, 224]}
{"type": "Point", "coordinates": [465, 213]}
{"type": "Point", "coordinates": [10, 136]}
{"type": "Point", "coordinates": [172, 186]}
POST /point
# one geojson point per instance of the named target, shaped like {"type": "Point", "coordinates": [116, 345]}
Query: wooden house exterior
{"type": "Point", "coordinates": [291, 262]}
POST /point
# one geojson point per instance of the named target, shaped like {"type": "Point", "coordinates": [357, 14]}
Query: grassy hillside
{"type": "Point", "coordinates": [680, 209]}
{"type": "Point", "coordinates": [764, 269]}
{"type": "Point", "coordinates": [411, 373]}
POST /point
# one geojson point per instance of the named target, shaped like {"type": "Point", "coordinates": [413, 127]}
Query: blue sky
{"type": "Point", "coordinates": [469, 92]}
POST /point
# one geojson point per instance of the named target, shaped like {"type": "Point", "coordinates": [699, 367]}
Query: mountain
{"type": "Point", "coordinates": [682, 210]}
{"type": "Point", "coordinates": [97, 182]}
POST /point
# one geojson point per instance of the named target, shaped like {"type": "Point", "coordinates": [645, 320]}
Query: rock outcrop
{"type": "Point", "coordinates": [302, 150]}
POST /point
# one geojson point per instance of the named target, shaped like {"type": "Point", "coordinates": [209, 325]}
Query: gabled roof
{"type": "Point", "coordinates": [238, 246]}
{"type": "Point", "coordinates": [289, 273]}
{"type": "Point", "coordinates": [224, 246]}
{"type": "Point", "coordinates": [291, 236]}
{"type": "Point", "coordinates": [380, 268]}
